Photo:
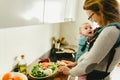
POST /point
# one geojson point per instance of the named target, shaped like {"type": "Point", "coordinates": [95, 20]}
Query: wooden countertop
{"type": "Point", "coordinates": [55, 77]}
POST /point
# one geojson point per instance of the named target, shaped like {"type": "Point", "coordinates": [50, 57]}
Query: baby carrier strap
{"type": "Point", "coordinates": [101, 75]}
{"type": "Point", "coordinates": [90, 40]}
{"type": "Point", "coordinates": [117, 25]}
{"type": "Point", "coordinates": [117, 44]}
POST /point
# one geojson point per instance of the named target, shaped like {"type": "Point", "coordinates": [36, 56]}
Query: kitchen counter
{"type": "Point", "coordinates": [55, 77]}
{"type": "Point", "coordinates": [46, 55]}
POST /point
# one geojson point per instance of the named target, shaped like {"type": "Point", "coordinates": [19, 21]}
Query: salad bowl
{"type": "Point", "coordinates": [43, 70]}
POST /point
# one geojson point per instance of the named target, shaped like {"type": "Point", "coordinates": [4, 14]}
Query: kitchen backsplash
{"type": "Point", "coordinates": [32, 41]}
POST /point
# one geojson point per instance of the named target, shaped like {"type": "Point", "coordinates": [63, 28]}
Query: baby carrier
{"type": "Point", "coordinates": [100, 75]}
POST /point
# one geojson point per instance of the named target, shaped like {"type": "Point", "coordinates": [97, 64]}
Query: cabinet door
{"type": "Point", "coordinates": [21, 12]}
{"type": "Point", "coordinates": [34, 11]}
{"type": "Point", "coordinates": [70, 10]}
{"type": "Point", "coordinates": [54, 11]}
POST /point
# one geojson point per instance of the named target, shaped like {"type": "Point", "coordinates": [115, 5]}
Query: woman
{"type": "Point", "coordinates": [103, 12]}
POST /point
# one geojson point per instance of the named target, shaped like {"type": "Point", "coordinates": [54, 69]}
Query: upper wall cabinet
{"type": "Point", "coordinates": [32, 12]}
{"type": "Point", "coordinates": [59, 10]}
{"type": "Point", "coordinates": [54, 11]}
{"type": "Point", "coordinates": [70, 10]}
{"type": "Point", "coordinates": [21, 12]}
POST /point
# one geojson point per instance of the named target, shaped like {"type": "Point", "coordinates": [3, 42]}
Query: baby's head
{"type": "Point", "coordinates": [86, 30]}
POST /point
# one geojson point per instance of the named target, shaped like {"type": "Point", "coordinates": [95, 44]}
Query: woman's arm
{"type": "Point", "coordinates": [100, 49]}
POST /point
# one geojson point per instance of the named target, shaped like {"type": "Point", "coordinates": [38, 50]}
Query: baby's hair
{"type": "Point", "coordinates": [82, 25]}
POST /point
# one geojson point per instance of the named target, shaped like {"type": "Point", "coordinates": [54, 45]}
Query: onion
{"type": "Point", "coordinates": [48, 71]}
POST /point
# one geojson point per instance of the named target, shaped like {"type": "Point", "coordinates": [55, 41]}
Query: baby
{"type": "Point", "coordinates": [86, 33]}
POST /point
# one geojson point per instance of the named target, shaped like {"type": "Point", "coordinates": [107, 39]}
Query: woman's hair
{"type": "Point", "coordinates": [109, 8]}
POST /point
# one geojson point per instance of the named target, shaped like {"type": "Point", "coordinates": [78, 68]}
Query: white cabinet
{"type": "Point", "coordinates": [59, 11]}
{"type": "Point", "coordinates": [32, 12]}
{"type": "Point", "coordinates": [21, 12]}
{"type": "Point", "coordinates": [54, 11]}
{"type": "Point", "coordinates": [70, 10]}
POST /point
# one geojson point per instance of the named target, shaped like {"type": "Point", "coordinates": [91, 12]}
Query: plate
{"type": "Point", "coordinates": [43, 70]}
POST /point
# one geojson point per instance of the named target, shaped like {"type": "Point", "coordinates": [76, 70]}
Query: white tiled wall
{"type": "Point", "coordinates": [32, 41]}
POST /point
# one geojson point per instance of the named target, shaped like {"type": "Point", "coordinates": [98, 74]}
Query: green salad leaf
{"type": "Point", "coordinates": [42, 70]}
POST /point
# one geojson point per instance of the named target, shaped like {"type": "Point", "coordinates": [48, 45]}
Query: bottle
{"type": "Point", "coordinates": [15, 66]}
{"type": "Point", "coordinates": [58, 44]}
{"type": "Point", "coordinates": [23, 65]}
{"type": "Point", "coordinates": [53, 49]}
{"type": "Point", "coordinates": [53, 42]}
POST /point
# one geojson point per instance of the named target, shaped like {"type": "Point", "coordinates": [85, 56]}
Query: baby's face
{"type": "Point", "coordinates": [86, 30]}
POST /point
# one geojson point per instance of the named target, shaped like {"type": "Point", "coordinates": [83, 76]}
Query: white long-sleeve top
{"type": "Point", "coordinates": [97, 56]}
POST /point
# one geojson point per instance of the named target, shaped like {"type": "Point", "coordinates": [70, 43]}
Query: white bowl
{"type": "Point", "coordinates": [19, 74]}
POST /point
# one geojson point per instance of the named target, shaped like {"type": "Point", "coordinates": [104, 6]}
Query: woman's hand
{"type": "Point", "coordinates": [73, 64]}
{"type": "Point", "coordinates": [64, 69]}
{"type": "Point", "coordinates": [70, 64]}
